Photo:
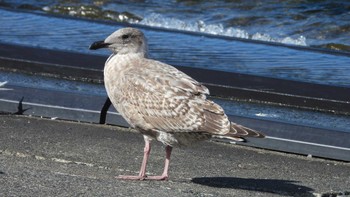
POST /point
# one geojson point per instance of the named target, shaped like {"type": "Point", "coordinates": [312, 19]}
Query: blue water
{"type": "Point", "coordinates": [181, 49]}
{"type": "Point", "coordinates": [322, 23]}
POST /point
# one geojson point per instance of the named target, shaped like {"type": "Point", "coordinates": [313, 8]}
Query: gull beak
{"type": "Point", "coordinates": [98, 45]}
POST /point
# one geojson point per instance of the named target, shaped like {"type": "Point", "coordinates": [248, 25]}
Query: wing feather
{"type": "Point", "coordinates": [157, 96]}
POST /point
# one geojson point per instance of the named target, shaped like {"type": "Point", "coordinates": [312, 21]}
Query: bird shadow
{"type": "Point", "coordinates": [276, 186]}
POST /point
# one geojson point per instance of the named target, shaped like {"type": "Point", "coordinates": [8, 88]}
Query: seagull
{"type": "Point", "coordinates": [159, 101]}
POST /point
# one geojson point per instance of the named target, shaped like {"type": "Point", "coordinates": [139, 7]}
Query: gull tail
{"type": "Point", "coordinates": [239, 132]}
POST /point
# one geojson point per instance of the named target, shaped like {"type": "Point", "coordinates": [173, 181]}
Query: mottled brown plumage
{"type": "Point", "coordinates": [160, 101]}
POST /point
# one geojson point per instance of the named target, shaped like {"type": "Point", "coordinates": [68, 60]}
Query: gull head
{"type": "Point", "coordinates": [123, 41]}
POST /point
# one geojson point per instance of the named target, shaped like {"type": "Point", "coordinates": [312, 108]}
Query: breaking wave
{"type": "Point", "coordinates": [157, 20]}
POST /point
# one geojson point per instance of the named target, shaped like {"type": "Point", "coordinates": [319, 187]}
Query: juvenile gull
{"type": "Point", "coordinates": [160, 101]}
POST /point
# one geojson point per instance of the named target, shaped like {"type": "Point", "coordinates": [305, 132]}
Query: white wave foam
{"type": "Point", "coordinates": [267, 115]}
{"type": "Point", "coordinates": [157, 20]}
{"type": "Point", "coordinates": [287, 40]}
{"type": "Point", "coordinates": [3, 84]}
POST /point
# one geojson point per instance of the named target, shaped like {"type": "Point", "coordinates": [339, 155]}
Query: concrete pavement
{"type": "Point", "coordinates": [42, 157]}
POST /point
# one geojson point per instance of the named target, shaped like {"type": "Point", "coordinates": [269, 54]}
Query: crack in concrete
{"type": "Point", "coordinates": [8, 152]}
{"type": "Point", "coordinates": [54, 159]}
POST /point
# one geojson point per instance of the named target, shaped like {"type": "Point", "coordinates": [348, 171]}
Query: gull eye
{"type": "Point", "coordinates": [125, 36]}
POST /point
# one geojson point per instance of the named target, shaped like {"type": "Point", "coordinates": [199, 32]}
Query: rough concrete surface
{"type": "Point", "coordinates": [41, 157]}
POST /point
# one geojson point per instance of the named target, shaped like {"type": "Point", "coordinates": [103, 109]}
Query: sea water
{"type": "Point", "coordinates": [180, 48]}
{"type": "Point", "coordinates": [323, 24]}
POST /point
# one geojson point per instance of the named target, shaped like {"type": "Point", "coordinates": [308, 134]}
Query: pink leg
{"type": "Point", "coordinates": [165, 174]}
{"type": "Point", "coordinates": [142, 174]}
